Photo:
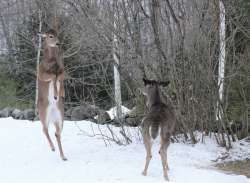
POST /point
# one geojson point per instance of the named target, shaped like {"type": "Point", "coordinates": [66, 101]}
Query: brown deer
{"type": "Point", "coordinates": [159, 116]}
{"type": "Point", "coordinates": [50, 102]}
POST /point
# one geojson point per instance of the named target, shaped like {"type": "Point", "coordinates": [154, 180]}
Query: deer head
{"type": "Point", "coordinates": [52, 62]}
{"type": "Point", "coordinates": [152, 85]}
{"type": "Point", "coordinates": [51, 38]}
{"type": "Point", "coordinates": [152, 91]}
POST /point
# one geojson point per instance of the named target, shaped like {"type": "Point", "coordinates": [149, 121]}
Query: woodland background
{"type": "Point", "coordinates": [176, 40]}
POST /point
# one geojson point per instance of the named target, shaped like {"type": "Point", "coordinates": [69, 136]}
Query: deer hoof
{"type": "Point", "coordinates": [64, 159]}
{"type": "Point", "coordinates": [55, 97]}
{"type": "Point", "coordinates": [144, 173]}
{"type": "Point", "coordinates": [166, 177]}
{"type": "Point", "coordinates": [53, 149]}
{"type": "Point", "coordinates": [167, 167]}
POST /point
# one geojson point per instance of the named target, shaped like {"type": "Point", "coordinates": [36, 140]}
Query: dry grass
{"type": "Point", "coordinates": [236, 167]}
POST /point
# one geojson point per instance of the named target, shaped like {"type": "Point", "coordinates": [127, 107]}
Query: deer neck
{"type": "Point", "coordinates": [51, 52]}
{"type": "Point", "coordinates": [154, 97]}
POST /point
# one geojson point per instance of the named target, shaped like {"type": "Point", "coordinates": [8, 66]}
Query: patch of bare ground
{"type": "Point", "coordinates": [236, 167]}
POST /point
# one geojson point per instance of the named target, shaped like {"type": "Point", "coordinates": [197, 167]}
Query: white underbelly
{"type": "Point", "coordinates": [53, 112]}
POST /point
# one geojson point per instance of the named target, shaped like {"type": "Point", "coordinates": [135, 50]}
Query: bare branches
{"type": "Point", "coordinates": [161, 40]}
{"type": "Point", "coordinates": [177, 22]}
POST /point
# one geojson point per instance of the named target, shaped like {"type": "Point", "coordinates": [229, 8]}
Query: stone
{"type": "Point", "coordinates": [16, 114]}
{"type": "Point", "coordinates": [103, 117]}
{"type": "Point", "coordinates": [84, 111]}
{"type": "Point", "coordinates": [29, 114]}
{"type": "Point", "coordinates": [6, 112]}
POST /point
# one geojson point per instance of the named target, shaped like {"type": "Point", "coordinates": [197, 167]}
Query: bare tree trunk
{"type": "Point", "coordinates": [38, 56]}
{"type": "Point", "coordinates": [118, 98]}
{"type": "Point", "coordinates": [221, 74]}
{"type": "Point", "coordinates": [221, 71]}
{"type": "Point", "coordinates": [155, 19]}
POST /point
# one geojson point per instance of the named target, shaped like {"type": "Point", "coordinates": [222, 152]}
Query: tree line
{"type": "Point", "coordinates": [164, 40]}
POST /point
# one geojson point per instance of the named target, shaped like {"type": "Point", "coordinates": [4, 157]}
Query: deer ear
{"type": "Point", "coordinates": [145, 81]}
{"type": "Point", "coordinates": [164, 84]}
{"type": "Point", "coordinates": [43, 35]}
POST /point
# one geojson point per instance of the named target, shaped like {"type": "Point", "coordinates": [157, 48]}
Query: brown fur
{"type": "Point", "coordinates": [51, 69]}
{"type": "Point", "coordinates": [159, 116]}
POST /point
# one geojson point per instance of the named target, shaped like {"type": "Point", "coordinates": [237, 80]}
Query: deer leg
{"type": "Point", "coordinates": [44, 120]}
{"type": "Point", "coordinates": [60, 87]}
{"type": "Point", "coordinates": [148, 146]}
{"type": "Point", "coordinates": [165, 141]}
{"type": "Point", "coordinates": [58, 138]}
{"type": "Point", "coordinates": [56, 88]}
{"type": "Point", "coordinates": [43, 76]}
{"type": "Point", "coordinates": [61, 90]}
{"type": "Point", "coordinates": [167, 161]}
{"type": "Point", "coordinates": [46, 132]}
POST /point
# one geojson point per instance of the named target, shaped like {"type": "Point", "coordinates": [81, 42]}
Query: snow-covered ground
{"type": "Point", "coordinates": [112, 111]}
{"type": "Point", "coordinates": [25, 158]}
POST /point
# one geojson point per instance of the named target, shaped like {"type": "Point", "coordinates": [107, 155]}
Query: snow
{"type": "Point", "coordinates": [25, 157]}
{"type": "Point", "coordinates": [112, 111]}
{"type": "Point", "coordinates": [240, 150]}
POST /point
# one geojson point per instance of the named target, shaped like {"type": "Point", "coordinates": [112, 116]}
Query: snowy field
{"type": "Point", "coordinates": [25, 158]}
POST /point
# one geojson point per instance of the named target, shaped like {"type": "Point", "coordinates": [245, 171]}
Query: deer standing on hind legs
{"type": "Point", "coordinates": [159, 116]}
{"type": "Point", "coordinates": [51, 94]}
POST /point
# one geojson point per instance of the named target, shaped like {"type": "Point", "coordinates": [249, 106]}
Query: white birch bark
{"type": "Point", "coordinates": [117, 81]}
{"type": "Point", "coordinates": [38, 56]}
{"type": "Point", "coordinates": [222, 61]}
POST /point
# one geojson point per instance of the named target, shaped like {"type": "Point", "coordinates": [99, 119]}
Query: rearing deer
{"type": "Point", "coordinates": [159, 116]}
{"type": "Point", "coordinates": [50, 102]}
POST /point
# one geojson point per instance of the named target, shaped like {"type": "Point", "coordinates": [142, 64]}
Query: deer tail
{"type": "Point", "coordinates": [155, 129]}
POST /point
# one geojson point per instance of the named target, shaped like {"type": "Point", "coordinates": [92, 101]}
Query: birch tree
{"type": "Point", "coordinates": [38, 55]}
{"type": "Point", "coordinates": [117, 81]}
{"type": "Point", "coordinates": [222, 54]}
